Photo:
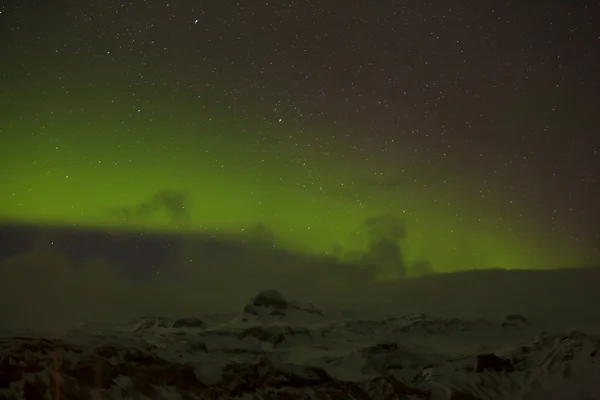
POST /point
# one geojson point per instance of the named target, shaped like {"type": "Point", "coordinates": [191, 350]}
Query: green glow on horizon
{"type": "Point", "coordinates": [70, 170]}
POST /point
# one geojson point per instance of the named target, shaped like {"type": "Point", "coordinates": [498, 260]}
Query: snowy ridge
{"type": "Point", "coordinates": [280, 349]}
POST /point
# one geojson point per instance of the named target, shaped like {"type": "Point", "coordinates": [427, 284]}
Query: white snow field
{"type": "Point", "coordinates": [278, 348]}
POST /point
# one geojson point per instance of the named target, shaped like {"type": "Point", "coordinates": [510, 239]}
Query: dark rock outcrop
{"type": "Point", "coordinates": [514, 321]}
{"type": "Point", "coordinates": [277, 305]}
{"type": "Point", "coordinates": [491, 362]}
{"type": "Point", "coordinates": [97, 370]}
{"type": "Point", "coordinates": [188, 323]}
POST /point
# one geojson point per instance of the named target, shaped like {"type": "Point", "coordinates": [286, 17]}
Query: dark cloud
{"type": "Point", "coordinates": [421, 268]}
{"type": "Point", "coordinates": [386, 226]}
{"type": "Point", "coordinates": [260, 234]}
{"type": "Point", "coordinates": [68, 276]}
{"type": "Point", "coordinates": [383, 255]}
{"type": "Point", "coordinates": [198, 273]}
{"type": "Point", "coordinates": [42, 289]}
{"type": "Point", "coordinates": [173, 203]}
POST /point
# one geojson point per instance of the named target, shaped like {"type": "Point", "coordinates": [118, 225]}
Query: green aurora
{"type": "Point", "coordinates": [79, 164]}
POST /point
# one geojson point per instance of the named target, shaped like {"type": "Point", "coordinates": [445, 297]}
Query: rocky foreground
{"type": "Point", "coordinates": [280, 349]}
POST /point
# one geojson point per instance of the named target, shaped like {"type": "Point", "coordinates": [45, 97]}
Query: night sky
{"type": "Point", "coordinates": [452, 135]}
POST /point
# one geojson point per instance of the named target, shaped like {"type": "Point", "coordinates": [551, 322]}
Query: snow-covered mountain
{"type": "Point", "coordinates": [281, 349]}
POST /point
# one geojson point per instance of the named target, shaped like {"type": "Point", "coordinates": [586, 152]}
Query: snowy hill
{"type": "Point", "coordinates": [281, 349]}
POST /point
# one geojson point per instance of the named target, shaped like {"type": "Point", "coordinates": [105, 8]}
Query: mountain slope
{"type": "Point", "coordinates": [280, 349]}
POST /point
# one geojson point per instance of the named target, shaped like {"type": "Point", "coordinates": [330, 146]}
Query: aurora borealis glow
{"type": "Point", "coordinates": [247, 120]}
